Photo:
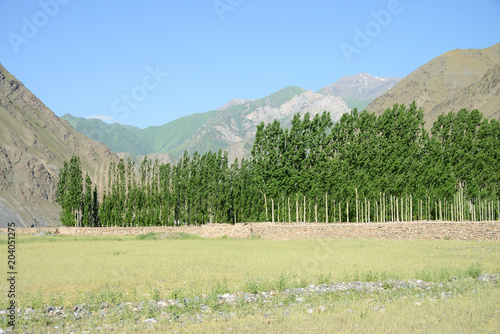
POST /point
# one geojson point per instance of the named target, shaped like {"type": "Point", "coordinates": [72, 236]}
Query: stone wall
{"type": "Point", "coordinates": [80, 231]}
{"type": "Point", "coordinates": [407, 230]}
{"type": "Point", "coordinates": [486, 231]}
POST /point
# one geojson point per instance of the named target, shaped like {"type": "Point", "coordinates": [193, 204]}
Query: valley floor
{"type": "Point", "coordinates": [181, 282]}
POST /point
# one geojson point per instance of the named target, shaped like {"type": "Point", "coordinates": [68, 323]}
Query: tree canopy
{"type": "Point", "coordinates": [362, 168]}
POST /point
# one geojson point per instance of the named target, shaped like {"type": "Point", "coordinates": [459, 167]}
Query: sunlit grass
{"type": "Point", "coordinates": [69, 267]}
{"type": "Point", "coordinates": [476, 312]}
{"type": "Point", "coordinates": [66, 270]}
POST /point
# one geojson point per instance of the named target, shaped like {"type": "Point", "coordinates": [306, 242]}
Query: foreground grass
{"type": "Point", "coordinates": [473, 312]}
{"type": "Point", "coordinates": [68, 270]}
{"type": "Point", "coordinates": [467, 307]}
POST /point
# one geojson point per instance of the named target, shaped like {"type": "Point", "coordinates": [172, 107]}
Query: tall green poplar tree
{"type": "Point", "coordinates": [69, 192]}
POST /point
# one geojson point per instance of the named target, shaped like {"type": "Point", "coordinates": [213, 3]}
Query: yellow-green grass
{"type": "Point", "coordinates": [65, 269]}
{"type": "Point", "coordinates": [474, 312]}
{"type": "Point", "coordinates": [471, 308]}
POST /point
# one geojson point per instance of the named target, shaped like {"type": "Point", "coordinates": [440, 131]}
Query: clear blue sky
{"type": "Point", "coordinates": [85, 57]}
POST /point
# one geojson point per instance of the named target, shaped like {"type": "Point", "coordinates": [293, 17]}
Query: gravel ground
{"type": "Point", "coordinates": [177, 309]}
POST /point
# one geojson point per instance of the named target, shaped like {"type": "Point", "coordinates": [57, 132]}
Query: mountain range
{"type": "Point", "coordinates": [232, 126]}
{"type": "Point", "coordinates": [34, 142]}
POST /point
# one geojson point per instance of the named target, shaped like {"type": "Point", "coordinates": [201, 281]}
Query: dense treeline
{"type": "Point", "coordinates": [80, 204]}
{"type": "Point", "coordinates": [362, 168]}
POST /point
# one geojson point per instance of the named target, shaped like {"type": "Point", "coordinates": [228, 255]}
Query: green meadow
{"type": "Point", "coordinates": [68, 270]}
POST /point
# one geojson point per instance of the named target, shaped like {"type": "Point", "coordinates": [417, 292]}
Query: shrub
{"type": "Point", "coordinates": [474, 270]}
{"type": "Point", "coordinates": [281, 282]}
{"type": "Point", "coordinates": [147, 236]}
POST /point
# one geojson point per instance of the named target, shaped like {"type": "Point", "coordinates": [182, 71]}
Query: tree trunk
{"type": "Point", "coordinates": [366, 210]}
{"type": "Point", "coordinates": [272, 209]}
{"type": "Point", "coordinates": [326, 207]}
{"type": "Point", "coordinates": [397, 209]}
{"type": "Point", "coordinates": [369, 211]}
{"type": "Point", "coordinates": [265, 204]}
{"type": "Point", "coordinates": [391, 210]}
{"type": "Point", "coordinates": [347, 211]}
{"type": "Point", "coordinates": [289, 211]}
{"type": "Point", "coordinates": [384, 212]}
{"type": "Point", "coordinates": [304, 217]}
{"type": "Point", "coordinates": [296, 208]}
{"type": "Point", "coordinates": [315, 212]}
{"type": "Point", "coordinates": [278, 215]}
{"type": "Point", "coordinates": [340, 212]}
{"type": "Point", "coordinates": [357, 205]}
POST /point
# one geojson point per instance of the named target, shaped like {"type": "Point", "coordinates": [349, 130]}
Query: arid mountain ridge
{"type": "Point", "coordinates": [34, 142]}
{"type": "Point", "coordinates": [461, 78]}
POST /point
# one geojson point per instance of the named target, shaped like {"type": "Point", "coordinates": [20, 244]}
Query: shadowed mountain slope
{"type": "Point", "coordinates": [34, 142]}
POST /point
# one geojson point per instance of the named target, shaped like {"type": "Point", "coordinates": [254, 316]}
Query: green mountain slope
{"type": "Point", "coordinates": [233, 126]}
{"type": "Point", "coordinates": [197, 132]}
{"type": "Point", "coordinates": [136, 141]}
{"type": "Point", "coordinates": [358, 103]}
{"type": "Point", "coordinates": [118, 137]}
{"type": "Point", "coordinates": [166, 137]}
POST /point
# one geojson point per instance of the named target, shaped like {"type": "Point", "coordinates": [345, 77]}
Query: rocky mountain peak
{"type": "Point", "coordinates": [233, 102]}
{"type": "Point", "coordinates": [362, 86]}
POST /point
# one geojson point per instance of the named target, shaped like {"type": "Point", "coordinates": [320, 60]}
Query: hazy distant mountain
{"type": "Point", "coordinates": [234, 102]}
{"type": "Point", "coordinates": [136, 141]}
{"type": "Point", "coordinates": [34, 142]}
{"type": "Point", "coordinates": [362, 86]}
{"type": "Point", "coordinates": [451, 81]}
{"type": "Point", "coordinates": [237, 124]}
{"type": "Point", "coordinates": [232, 126]}
{"type": "Point", "coordinates": [118, 137]}
{"type": "Point", "coordinates": [359, 90]}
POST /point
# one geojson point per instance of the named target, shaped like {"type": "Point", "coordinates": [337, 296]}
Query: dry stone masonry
{"type": "Point", "coordinates": [480, 231]}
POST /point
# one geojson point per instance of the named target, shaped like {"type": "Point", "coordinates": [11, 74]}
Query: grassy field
{"type": "Point", "coordinates": [65, 270]}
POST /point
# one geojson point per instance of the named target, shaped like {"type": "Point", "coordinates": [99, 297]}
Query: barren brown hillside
{"type": "Point", "coordinates": [440, 80]}
{"type": "Point", "coordinates": [34, 142]}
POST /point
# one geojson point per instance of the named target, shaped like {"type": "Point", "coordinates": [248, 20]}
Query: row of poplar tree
{"type": "Point", "coordinates": [362, 168]}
